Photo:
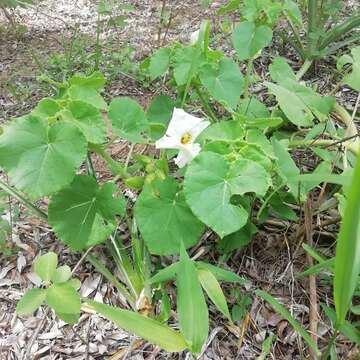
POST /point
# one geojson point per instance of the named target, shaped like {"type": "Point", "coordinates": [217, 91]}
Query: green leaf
{"type": "Point", "coordinates": [221, 274]}
{"type": "Point", "coordinates": [68, 318]}
{"type": "Point", "coordinates": [88, 95]}
{"type": "Point", "coordinates": [192, 310]}
{"type": "Point", "coordinates": [95, 81]}
{"type": "Point", "coordinates": [253, 109]}
{"type": "Point", "coordinates": [280, 70]}
{"type": "Point", "coordinates": [31, 300]}
{"type": "Point", "coordinates": [61, 274]}
{"type": "Point", "coordinates": [83, 214]}
{"type": "Point", "coordinates": [159, 62]}
{"type": "Point", "coordinates": [231, 130]}
{"type": "Point", "coordinates": [294, 12]}
{"type": "Point", "coordinates": [163, 202]}
{"type": "Point", "coordinates": [208, 190]}
{"type": "Point", "coordinates": [225, 83]}
{"type": "Point", "coordinates": [45, 266]}
{"type": "Point", "coordinates": [88, 119]}
{"type": "Point", "coordinates": [128, 120]}
{"type": "Point", "coordinates": [238, 239]}
{"type": "Point", "coordinates": [166, 274]}
{"type": "Point", "coordinates": [46, 107]}
{"type": "Point", "coordinates": [212, 287]}
{"type": "Point", "coordinates": [266, 347]}
{"type": "Point", "coordinates": [142, 326]}
{"type": "Point", "coordinates": [187, 61]}
{"type": "Point", "coordinates": [248, 39]}
{"type": "Point", "coordinates": [292, 105]}
{"type": "Point", "coordinates": [41, 159]}
{"type": "Point", "coordinates": [159, 115]}
{"type": "Point", "coordinates": [347, 259]}
{"type": "Point", "coordinates": [63, 298]}
{"type": "Point", "coordinates": [279, 308]}
{"type": "Point", "coordinates": [353, 79]}
{"type": "Point", "coordinates": [287, 168]}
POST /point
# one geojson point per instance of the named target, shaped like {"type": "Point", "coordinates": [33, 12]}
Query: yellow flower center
{"type": "Point", "coordinates": [186, 138]}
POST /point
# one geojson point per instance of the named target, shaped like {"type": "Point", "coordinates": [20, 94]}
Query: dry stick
{"type": "Point", "coordinates": [313, 311]}
{"type": "Point", "coordinates": [47, 311]}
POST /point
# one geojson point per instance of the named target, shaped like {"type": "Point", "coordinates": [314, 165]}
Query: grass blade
{"type": "Point", "coordinates": [347, 258]}
{"type": "Point", "coordinates": [287, 316]}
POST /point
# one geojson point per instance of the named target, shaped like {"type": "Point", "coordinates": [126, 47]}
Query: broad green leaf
{"type": "Point", "coordinates": [88, 95]}
{"type": "Point", "coordinates": [46, 107]}
{"type": "Point", "coordinates": [83, 214]}
{"type": "Point", "coordinates": [347, 258]}
{"type": "Point", "coordinates": [45, 266]}
{"type": "Point", "coordinates": [159, 115]}
{"type": "Point", "coordinates": [147, 328]}
{"type": "Point", "coordinates": [248, 39]}
{"type": "Point", "coordinates": [287, 168]}
{"type": "Point", "coordinates": [95, 81]}
{"type": "Point", "coordinates": [30, 301]}
{"type": "Point", "coordinates": [220, 273]}
{"type": "Point", "coordinates": [280, 70]}
{"type": "Point", "coordinates": [224, 83]}
{"type": "Point", "coordinates": [63, 298]}
{"type": "Point", "coordinates": [69, 318]}
{"type": "Point", "coordinates": [75, 283]}
{"type": "Point", "coordinates": [191, 306]}
{"type": "Point", "coordinates": [353, 79]}
{"type": "Point", "coordinates": [208, 190]}
{"type": "Point", "coordinates": [212, 287]}
{"type": "Point", "coordinates": [128, 120]}
{"type": "Point", "coordinates": [292, 105]}
{"type": "Point", "coordinates": [293, 11]}
{"type": "Point", "coordinates": [229, 7]}
{"type": "Point", "coordinates": [159, 62]}
{"type": "Point", "coordinates": [88, 119]}
{"type": "Point", "coordinates": [61, 274]}
{"type": "Point", "coordinates": [160, 110]}
{"type": "Point", "coordinates": [163, 203]}
{"type": "Point", "coordinates": [224, 131]}
{"type": "Point", "coordinates": [41, 159]}
{"type": "Point", "coordinates": [279, 308]}
{"type": "Point", "coordinates": [253, 109]}
{"type": "Point", "coordinates": [187, 62]}
{"type": "Point", "coordinates": [355, 309]}
{"type": "Point", "coordinates": [238, 239]}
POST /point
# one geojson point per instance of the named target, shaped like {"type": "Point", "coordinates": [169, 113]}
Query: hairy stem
{"type": "Point", "coordinates": [304, 68]}
{"type": "Point", "coordinates": [12, 192]}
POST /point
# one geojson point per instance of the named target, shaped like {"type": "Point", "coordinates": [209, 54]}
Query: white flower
{"type": "Point", "coordinates": [194, 37]}
{"type": "Point", "coordinates": [181, 133]}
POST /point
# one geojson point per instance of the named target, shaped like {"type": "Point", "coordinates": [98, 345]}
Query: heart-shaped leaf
{"type": "Point", "coordinates": [83, 214]}
{"type": "Point", "coordinates": [63, 298]}
{"type": "Point", "coordinates": [45, 266]}
{"type": "Point", "coordinates": [249, 39]}
{"type": "Point", "coordinates": [208, 190]}
{"type": "Point", "coordinates": [225, 83]}
{"type": "Point", "coordinates": [88, 119]}
{"type": "Point", "coordinates": [164, 203]}
{"type": "Point", "coordinates": [129, 120]}
{"type": "Point", "coordinates": [41, 159]}
{"type": "Point", "coordinates": [31, 300]}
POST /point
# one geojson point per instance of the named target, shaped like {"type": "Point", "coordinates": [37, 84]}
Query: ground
{"type": "Point", "coordinates": [271, 262]}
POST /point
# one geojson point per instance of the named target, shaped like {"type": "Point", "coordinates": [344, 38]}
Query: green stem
{"type": "Point", "coordinates": [296, 35]}
{"type": "Point", "coordinates": [264, 204]}
{"type": "Point", "coordinates": [20, 198]}
{"type": "Point", "coordinates": [247, 78]}
{"type": "Point", "coordinates": [312, 38]}
{"type": "Point", "coordinates": [90, 166]}
{"type": "Point", "coordinates": [304, 68]}
{"type": "Point", "coordinates": [340, 30]}
{"type": "Point", "coordinates": [205, 104]}
{"type": "Point", "coordinates": [326, 354]}
{"type": "Point", "coordinates": [114, 166]}
{"type": "Point", "coordinates": [97, 48]}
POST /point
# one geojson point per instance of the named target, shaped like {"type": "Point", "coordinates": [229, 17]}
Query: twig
{"type": "Point", "coordinates": [47, 311]}
{"type": "Point", "coordinates": [313, 310]}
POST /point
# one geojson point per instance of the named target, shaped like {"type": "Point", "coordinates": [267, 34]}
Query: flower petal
{"type": "Point", "coordinates": [181, 123]}
{"type": "Point", "coordinates": [198, 129]}
{"type": "Point", "coordinates": [168, 142]}
{"type": "Point", "coordinates": [186, 154]}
